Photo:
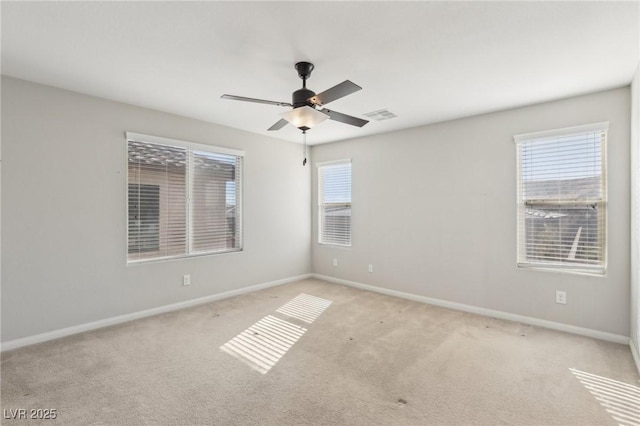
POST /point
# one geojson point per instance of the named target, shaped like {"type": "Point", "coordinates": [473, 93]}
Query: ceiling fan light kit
{"type": "Point", "coordinates": [304, 117]}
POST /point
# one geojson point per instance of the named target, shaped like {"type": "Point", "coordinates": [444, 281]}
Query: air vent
{"type": "Point", "coordinates": [381, 114]}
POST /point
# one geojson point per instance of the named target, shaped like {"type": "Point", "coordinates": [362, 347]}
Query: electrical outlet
{"type": "Point", "coordinates": [370, 267]}
{"type": "Point", "coordinates": [561, 297]}
{"type": "Point", "coordinates": [186, 280]}
{"type": "Point", "coordinates": [335, 262]}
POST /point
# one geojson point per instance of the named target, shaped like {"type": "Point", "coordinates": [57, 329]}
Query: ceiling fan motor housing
{"type": "Point", "coordinates": [301, 97]}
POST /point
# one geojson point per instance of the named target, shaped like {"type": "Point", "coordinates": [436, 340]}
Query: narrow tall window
{"type": "Point", "coordinates": [562, 199]}
{"type": "Point", "coordinates": [183, 198]}
{"type": "Point", "coordinates": [334, 202]}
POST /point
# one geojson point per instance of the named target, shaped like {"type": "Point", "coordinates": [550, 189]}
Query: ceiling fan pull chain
{"type": "Point", "coordinates": [304, 147]}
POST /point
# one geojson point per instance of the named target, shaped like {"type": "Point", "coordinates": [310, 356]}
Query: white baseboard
{"type": "Point", "coordinates": [56, 334]}
{"type": "Point", "coordinates": [602, 335]}
{"type": "Point", "coordinates": [636, 356]}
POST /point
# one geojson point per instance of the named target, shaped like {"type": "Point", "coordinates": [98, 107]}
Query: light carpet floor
{"type": "Point", "coordinates": [363, 359]}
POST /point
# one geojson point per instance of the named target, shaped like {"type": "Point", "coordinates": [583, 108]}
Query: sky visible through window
{"type": "Point", "coordinates": [566, 157]}
{"type": "Point", "coordinates": [337, 184]}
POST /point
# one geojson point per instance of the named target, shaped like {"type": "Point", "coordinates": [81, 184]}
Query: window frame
{"type": "Point", "coordinates": [190, 147]}
{"type": "Point", "coordinates": [322, 205]}
{"type": "Point", "coordinates": [522, 260]}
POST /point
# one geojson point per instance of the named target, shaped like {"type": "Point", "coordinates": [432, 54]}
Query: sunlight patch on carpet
{"type": "Point", "coordinates": [263, 344]}
{"type": "Point", "coordinates": [304, 307]}
{"type": "Point", "coordinates": [621, 400]}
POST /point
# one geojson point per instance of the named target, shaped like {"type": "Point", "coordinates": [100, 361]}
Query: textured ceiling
{"type": "Point", "coordinates": [424, 61]}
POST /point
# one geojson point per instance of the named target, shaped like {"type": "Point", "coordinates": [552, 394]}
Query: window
{"type": "Point", "coordinates": [183, 199]}
{"type": "Point", "coordinates": [562, 199]}
{"type": "Point", "coordinates": [334, 202]}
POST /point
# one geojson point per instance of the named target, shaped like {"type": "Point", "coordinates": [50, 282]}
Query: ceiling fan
{"type": "Point", "coordinates": [308, 107]}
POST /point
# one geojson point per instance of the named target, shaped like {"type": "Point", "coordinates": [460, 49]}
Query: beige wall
{"type": "Point", "coordinates": [64, 216]}
{"type": "Point", "coordinates": [434, 210]}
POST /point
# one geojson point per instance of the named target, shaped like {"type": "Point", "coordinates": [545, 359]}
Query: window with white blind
{"type": "Point", "coordinates": [183, 198]}
{"type": "Point", "coordinates": [334, 202]}
{"type": "Point", "coordinates": [562, 199]}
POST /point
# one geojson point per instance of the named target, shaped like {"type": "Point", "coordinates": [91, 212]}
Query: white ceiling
{"type": "Point", "coordinates": [424, 61]}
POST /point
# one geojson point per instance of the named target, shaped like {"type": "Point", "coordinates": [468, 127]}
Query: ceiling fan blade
{"type": "Point", "coordinates": [259, 101]}
{"type": "Point", "coordinates": [279, 125]}
{"type": "Point", "coordinates": [336, 92]}
{"type": "Point", "coordinates": [344, 118]}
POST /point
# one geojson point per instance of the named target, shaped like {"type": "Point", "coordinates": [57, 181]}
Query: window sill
{"type": "Point", "coordinates": [596, 271]}
{"type": "Point", "coordinates": [180, 257]}
{"type": "Point", "coordinates": [334, 245]}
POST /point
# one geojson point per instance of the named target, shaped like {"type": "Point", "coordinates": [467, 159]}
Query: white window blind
{"type": "Point", "coordinates": [562, 199]}
{"type": "Point", "coordinates": [183, 198]}
{"type": "Point", "coordinates": [334, 202]}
